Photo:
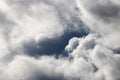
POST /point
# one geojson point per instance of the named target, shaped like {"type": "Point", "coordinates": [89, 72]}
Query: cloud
{"type": "Point", "coordinates": [29, 22]}
{"type": "Point", "coordinates": [33, 32]}
{"type": "Point", "coordinates": [50, 46]}
{"type": "Point", "coordinates": [102, 14]}
{"type": "Point", "coordinates": [102, 17]}
{"type": "Point", "coordinates": [39, 26]}
{"type": "Point", "coordinates": [107, 62]}
{"type": "Point", "coordinates": [45, 68]}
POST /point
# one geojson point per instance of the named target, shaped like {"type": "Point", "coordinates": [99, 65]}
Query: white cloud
{"type": "Point", "coordinates": [24, 20]}
{"type": "Point", "coordinates": [91, 57]}
{"type": "Point", "coordinates": [102, 16]}
{"type": "Point", "coordinates": [27, 68]}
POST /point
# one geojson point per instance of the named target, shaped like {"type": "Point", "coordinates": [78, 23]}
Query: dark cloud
{"type": "Point", "coordinates": [107, 11]}
{"type": "Point", "coordinates": [52, 46]}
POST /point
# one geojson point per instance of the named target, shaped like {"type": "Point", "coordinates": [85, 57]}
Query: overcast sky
{"type": "Point", "coordinates": [59, 40]}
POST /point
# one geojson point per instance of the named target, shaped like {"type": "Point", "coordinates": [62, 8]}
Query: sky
{"type": "Point", "coordinates": [59, 40]}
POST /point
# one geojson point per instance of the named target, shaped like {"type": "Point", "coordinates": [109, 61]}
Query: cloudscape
{"type": "Point", "coordinates": [59, 40]}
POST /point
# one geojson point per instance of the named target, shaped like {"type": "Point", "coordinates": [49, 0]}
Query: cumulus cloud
{"type": "Point", "coordinates": [33, 32]}
{"type": "Point", "coordinates": [38, 22]}
{"type": "Point", "coordinates": [102, 17]}
{"type": "Point", "coordinates": [46, 68]}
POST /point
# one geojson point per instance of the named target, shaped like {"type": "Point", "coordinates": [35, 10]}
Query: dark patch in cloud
{"type": "Point", "coordinates": [4, 21]}
{"type": "Point", "coordinates": [116, 51]}
{"type": "Point", "coordinates": [41, 76]}
{"type": "Point", "coordinates": [74, 28]}
{"type": "Point", "coordinates": [52, 46]}
{"type": "Point", "coordinates": [95, 68]}
{"type": "Point", "coordinates": [106, 11]}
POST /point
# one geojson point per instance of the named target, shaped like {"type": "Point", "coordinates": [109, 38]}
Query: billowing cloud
{"type": "Point", "coordinates": [59, 40]}
{"type": "Point", "coordinates": [102, 17]}
{"type": "Point", "coordinates": [38, 24]}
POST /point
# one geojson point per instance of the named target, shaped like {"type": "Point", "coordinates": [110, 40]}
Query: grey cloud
{"type": "Point", "coordinates": [46, 68]}
{"type": "Point", "coordinates": [87, 33]}
{"type": "Point", "coordinates": [47, 27]}
{"type": "Point", "coordinates": [57, 27]}
{"type": "Point", "coordinates": [29, 24]}
{"type": "Point", "coordinates": [107, 62]}
{"type": "Point", "coordinates": [104, 60]}
{"type": "Point", "coordinates": [52, 46]}
{"type": "Point", "coordinates": [109, 11]}
{"type": "Point", "coordinates": [103, 18]}
{"type": "Point", "coordinates": [101, 14]}
{"type": "Point", "coordinates": [102, 9]}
